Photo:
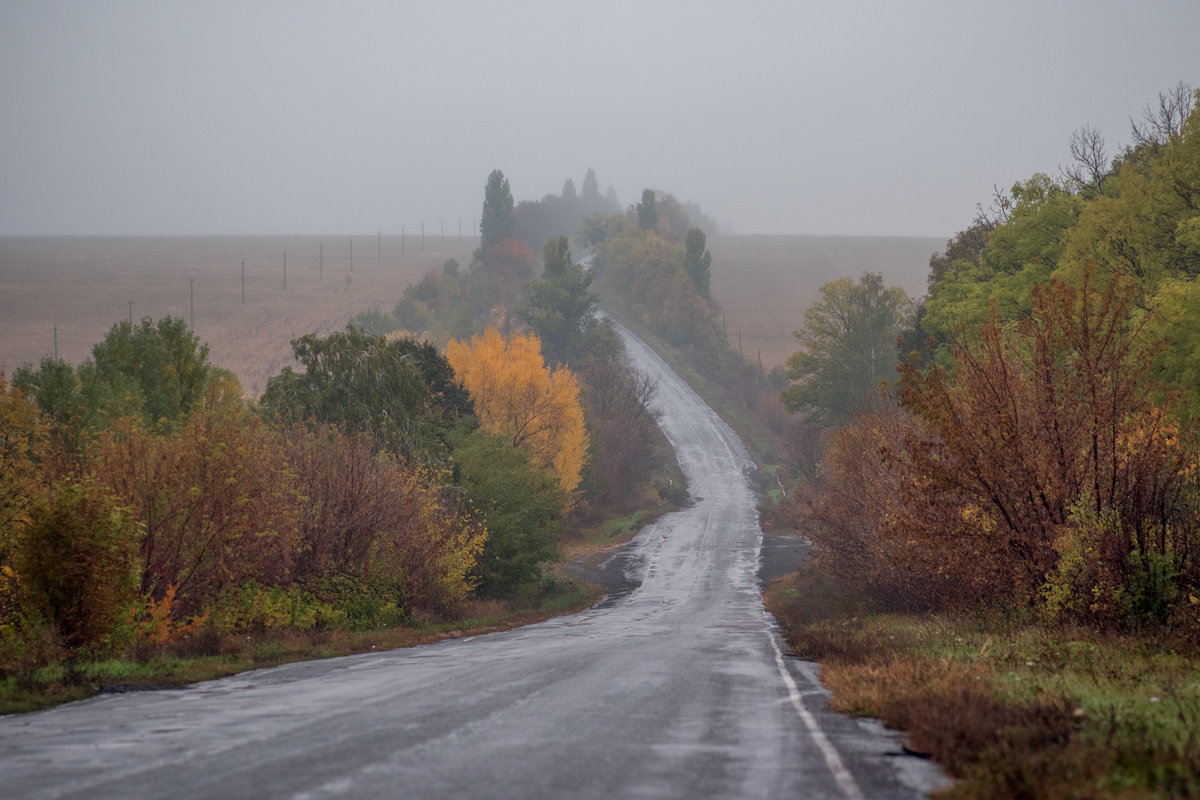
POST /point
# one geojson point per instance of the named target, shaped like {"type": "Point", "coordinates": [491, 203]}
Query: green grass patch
{"type": "Point", "coordinates": [1009, 709]}
{"type": "Point", "coordinates": [610, 532]}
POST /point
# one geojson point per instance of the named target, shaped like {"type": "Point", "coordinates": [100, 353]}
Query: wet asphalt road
{"type": "Point", "coordinates": [678, 689]}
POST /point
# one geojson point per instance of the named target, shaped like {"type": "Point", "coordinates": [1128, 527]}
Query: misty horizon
{"type": "Point", "coordinates": [136, 118]}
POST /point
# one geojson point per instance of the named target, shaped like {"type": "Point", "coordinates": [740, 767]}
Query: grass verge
{"type": "Point", "coordinates": [209, 655]}
{"type": "Point", "coordinates": [1008, 709]}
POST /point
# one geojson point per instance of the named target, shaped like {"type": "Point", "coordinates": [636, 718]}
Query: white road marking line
{"type": "Point", "coordinates": [841, 775]}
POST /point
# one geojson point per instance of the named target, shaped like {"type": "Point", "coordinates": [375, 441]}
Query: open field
{"type": "Point", "coordinates": [765, 283]}
{"type": "Point", "coordinates": [83, 285]}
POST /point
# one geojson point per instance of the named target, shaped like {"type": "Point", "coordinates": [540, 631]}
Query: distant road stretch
{"type": "Point", "coordinates": [676, 690]}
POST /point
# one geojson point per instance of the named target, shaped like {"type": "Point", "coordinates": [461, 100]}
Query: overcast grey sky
{"type": "Point", "coordinates": [882, 118]}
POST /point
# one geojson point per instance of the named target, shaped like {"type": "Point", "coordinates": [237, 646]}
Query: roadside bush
{"type": "Point", "coordinates": [371, 519]}
{"type": "Point", "coordinates": [522, 507]}
{"type": "Point", "coordinates": [622, 423]}
{"type": "Point", "coordinates": [77, 564]}
{"type": "Point", "coordinates": [22, 436]}
{"type": "Point", "coordinates": [254, 608]}
{"type": "Point", "coordinates": [1040, 473]}
{"type": "Point", "coordinates": [861, 526]}
{"type": "Point", "coordinates": [215, 503]}
{"type": "Point", "coordinates": [1055, 416]}
{"type": "Point", "coordinates": [1103, 579]}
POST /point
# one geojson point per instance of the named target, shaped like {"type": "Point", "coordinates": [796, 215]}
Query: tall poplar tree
{"type": "Point", "coordinates": [496, 224]}
{"type": "Point", "coordinates": [697, 260]}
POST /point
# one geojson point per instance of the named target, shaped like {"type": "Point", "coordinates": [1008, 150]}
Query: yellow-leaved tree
{"type": "Point", "coordinates": [516, 395]}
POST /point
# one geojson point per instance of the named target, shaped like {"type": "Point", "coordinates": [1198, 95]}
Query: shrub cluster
{"type": "Point", "coordinates": [1041, 470]}
{"type": "Point", "coordinates": [1040, 451]}
{"type": "Point", "coordinates": [215, 517]}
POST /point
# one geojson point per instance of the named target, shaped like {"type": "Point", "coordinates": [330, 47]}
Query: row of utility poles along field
{"type": "Point", "coordinates": [320, 267]}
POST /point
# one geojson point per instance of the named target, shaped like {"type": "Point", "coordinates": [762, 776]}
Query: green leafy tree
{"type": "Point", "coordinates": [1145, 225]}
{"type": "Point", "coordinates": [158, 372]}
{"type": "Point", "coordinates": [849, 346]}
{"type": "Point", "coordinates": [160, 369]}
{"type": "Point", "coordinates": [559, 306]}
{"type": "Point", "coordinates": [697, 260]}
{"type": "Point", "coordinates": [1176, 324]}
{"type": "Point", "coordinates": [672, 219]}
{"type": "Point", "coordinates": [644, 272]}
{"type": "Point", "coordinates": [966, 248]}
{"type": "Point", "coordinates": [398, 390]}
{"type": "Point", "coordinates": [521, 506]}
{"type": "Point", "coordinates": [496, 224]}
{"type": "Point", "coordinates": [1018, 252]}
{"type": "Point", "coordinates": [54, 388]}
{"type": "Point", "coordinates": [598, 229]}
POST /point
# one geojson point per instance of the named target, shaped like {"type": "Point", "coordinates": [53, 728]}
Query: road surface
{"type": "Point", "coordinates": [678, 689]}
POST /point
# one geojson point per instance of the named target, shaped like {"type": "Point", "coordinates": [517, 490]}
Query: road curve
{"type": "Point", "coordinates": [678, 689]}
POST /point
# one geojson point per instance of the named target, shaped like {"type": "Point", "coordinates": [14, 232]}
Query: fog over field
{"type": "Point", "coordinates": [867, 118]}
{"type": "Point", "coordinates": [765, 283]}
{"type": "Point", "coordinates": [61, 295]}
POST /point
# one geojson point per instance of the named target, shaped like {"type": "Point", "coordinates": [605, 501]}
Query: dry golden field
{"type": "Point", "coordinates": [765, 283]}
{"type": "Point", "coordinates": [83, 285]}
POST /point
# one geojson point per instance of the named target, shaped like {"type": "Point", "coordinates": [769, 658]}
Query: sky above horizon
{"type": "Point", "coordinates": [855, 118]}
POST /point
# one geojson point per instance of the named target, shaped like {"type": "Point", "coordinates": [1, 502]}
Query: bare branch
{"type": "Point", "coordinates": [997, 214]}
{"type": "Point", "coordinates": [1161, 123]}
{"type": "Point", "coordinates": [1089, 156]}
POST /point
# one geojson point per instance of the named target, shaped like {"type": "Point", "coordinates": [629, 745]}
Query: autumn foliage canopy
{"type": "Point", "coordinates": [1044, 468]}
{"type": "Point", "coordinates": [516, 395]}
